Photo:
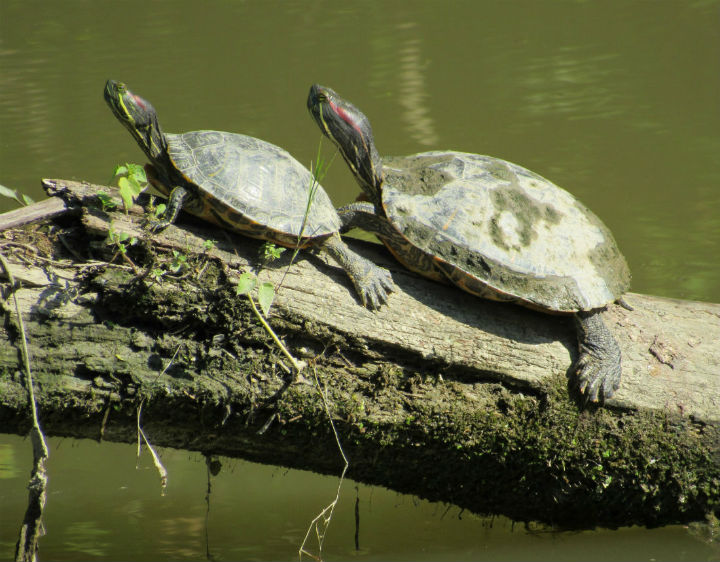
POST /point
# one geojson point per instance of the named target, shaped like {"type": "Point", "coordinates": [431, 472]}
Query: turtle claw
{"type": "Point", "coordinates": [155, 226]}
{"type": "Point", "coordinates": [598, 369]}
{"type": "Point", "coordinates": [379, 289]}
{"type": "Point", "coordinates": [597, 379]}
{"type": "Point", "coordinates": [372, 282]}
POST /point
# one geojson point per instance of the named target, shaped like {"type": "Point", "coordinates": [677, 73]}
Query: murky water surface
{"type": "Point", "coordinates": [101, 507]}
{"type": "Point", "coordinates": [616, 101]}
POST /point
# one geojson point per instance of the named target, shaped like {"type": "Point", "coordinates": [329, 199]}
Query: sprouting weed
{"type": "Point", "coordinates": [270, 252]}
{"type": "Point", "coordinates": [121, 240]}
{"type": "Point", "coordinates": [131, 181]}
{"type": "Point", "coordinates": [178, 262]}
{"type": "Point", "coordinates": [106, 202]}
{"type": "Point", "coordinates": [21, 198]}
{"type": "Point", "coordinates": [208, 245]}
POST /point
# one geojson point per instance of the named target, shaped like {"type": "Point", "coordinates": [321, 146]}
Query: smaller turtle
{"type": "Point", "coordinates": [243, 184]}
{"type": "Point", "coordinates": [490, 227]}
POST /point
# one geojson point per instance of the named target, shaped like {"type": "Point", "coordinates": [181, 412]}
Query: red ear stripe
{"type": "Point", "coordinates": [345, 117]}
{"type": "Point", "coordinates": [139, 101]}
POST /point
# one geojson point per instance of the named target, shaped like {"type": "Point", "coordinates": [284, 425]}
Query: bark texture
{"type": "Point", "coordinates": [439, 393]}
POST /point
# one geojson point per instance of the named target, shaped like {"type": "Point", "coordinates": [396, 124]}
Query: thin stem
{"type": "Point", "coordinates": [32, 527]}
{"type": "Point", "coordinates": [327, 513]}
{"type": "Point", "coordinates": [298, 366]}
{"type": "Point", "coordinates": [317, 174]}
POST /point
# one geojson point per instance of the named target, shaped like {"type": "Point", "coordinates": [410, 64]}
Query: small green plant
{"type": "Point", "coordinates": [270, 252]}
{"type": "Point", "coordinates": [132, 181]}
{"type": "Point", "coordinates": [266, 294]}
{"type": "Point", "coordinates": [106, 202]}
{"type": "Point", "coordinates": [121, 240]}
{"type": "Point", "coordinates": [179, 261]}
{"type": "Point", "coordinates": [208, 245]}
{"type": "Point", "coordinates": [21, 198]}
{"type": "Point", "coordinates": [156, 274]}
{"type": "Point", "coordinates": [265, 291]}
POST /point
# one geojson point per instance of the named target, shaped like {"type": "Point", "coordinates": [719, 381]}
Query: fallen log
{"type": "Point", "coordinates": [439, 393]}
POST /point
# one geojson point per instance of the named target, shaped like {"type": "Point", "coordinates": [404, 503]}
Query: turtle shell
{"type": "Point", "coordinates": [504, 232]}
{"type": "Point", "coordinates": [251, 185]}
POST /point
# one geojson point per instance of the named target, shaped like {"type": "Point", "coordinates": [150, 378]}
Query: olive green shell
{"type": "Point", "coordinates": [251, 184]}
{"type": "Point", "coordinates": [503, 232]}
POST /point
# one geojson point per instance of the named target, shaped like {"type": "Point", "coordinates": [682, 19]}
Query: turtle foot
{"type": "Point", "coordinates": [155, 225]}
{"type": "Point", "coordinates": [372, 283]}
{"type": "Point", "coordinates": [599, 368]}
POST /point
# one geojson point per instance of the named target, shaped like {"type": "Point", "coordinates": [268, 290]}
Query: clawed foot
{"type": "Point", "coordinates": [372, 283]}
{"type": "Point", "coordinates": [598, 377]}
{"type": "Point", "coordinates": [598, 369]}
{"type": "Point", "coordinates": [156, 225]}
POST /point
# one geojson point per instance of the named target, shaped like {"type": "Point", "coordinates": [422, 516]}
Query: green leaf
{"type": "Point", "coordinates": [126, 192]}
{"type": "Point", "coordinates": [15, 194]}
{"type": "Point", "coordinates": [106, 201]}
{"type": "Point", "coordinates": [137, 189]}
{"type": "Point", "coordinates": [7, 192]}
{"type": "Point", "coordinates": [266, 295]}
{"type": "Point", "coordinates": [120, 170]}
{"type": "Point", "coordinates": [160, 209]}
{"type": "Point", "coordinates": [178, 261]}
{"type": "Point", "coordinates": [137, 172]}
{"type": "Point", "coordinates": [246, 283]}
{"type": "Point", "coordinates": [271, 252]}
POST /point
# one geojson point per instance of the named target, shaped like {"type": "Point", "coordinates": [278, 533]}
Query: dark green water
{"type": "Point", "coordinates": [100, 507]}
{"type": "Point", "coordinates": [617, 101]}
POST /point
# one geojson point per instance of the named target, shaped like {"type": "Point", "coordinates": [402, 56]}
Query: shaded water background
{"type": "Point", "coordinates": [617, 101]}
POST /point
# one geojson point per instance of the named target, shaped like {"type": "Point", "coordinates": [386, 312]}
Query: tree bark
{"type": "Point", "coordinates": [439, 393]}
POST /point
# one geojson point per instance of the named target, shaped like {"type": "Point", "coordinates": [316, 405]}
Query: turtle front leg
{"type": "Point", "coordinates": [598, 368]}
{"type": "Point", "coordinates": [362, 215]}
{"type": "Point", "coordinates": [175, 202]}
{"type": "Point", "coordinates": [372, 282]}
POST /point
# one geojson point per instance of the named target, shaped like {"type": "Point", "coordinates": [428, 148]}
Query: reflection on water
{"type": "Point", "coordinates": [572, 83]}
{"type": "Point", "coordinates": [413, 88]}
{"type": "Point", "coordinates": [100, 507]}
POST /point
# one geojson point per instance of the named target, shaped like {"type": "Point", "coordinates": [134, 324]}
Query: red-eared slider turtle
{"type": "Point", "coordinates": [243, 184]}
{"type": "Point", "coordinates": [491, 227]}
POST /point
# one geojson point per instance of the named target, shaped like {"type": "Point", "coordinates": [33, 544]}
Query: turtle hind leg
{"type": "Point", "coordinates": [598, 368]}
{"type": "Point", "coordinates": [372, 282]}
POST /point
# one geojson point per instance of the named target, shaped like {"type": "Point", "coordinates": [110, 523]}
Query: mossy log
{"type": "Point", "coordinates": [438, 393]}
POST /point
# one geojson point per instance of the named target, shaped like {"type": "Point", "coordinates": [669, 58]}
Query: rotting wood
{"type": "Point", "coordinates": [439, 393]}
{"type": "Point", "coordinates": [43, 210]}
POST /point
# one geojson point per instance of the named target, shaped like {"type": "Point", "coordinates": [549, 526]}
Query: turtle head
{"type": "Point", "coordinates": [350, 130]}
{"type": "Point", "coordinates": [138, 116]}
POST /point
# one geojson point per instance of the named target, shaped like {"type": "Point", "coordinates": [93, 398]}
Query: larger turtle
{"type": "Point", "coordinates": [490, 227]}
{"type": "Point", "coordinates": [244, 184]}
